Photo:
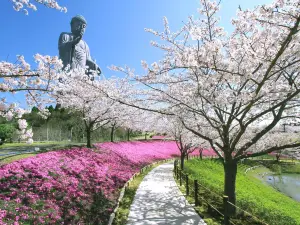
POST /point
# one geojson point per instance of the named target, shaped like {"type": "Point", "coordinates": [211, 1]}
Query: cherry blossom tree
{"type": "Point", "coordinates": [122, 91]}
{"type": "Point", "coordinates": [125, 118]}
{"type": "Point", "coordinates": [24, 5]}
{"type": "Point", "coordinates": [186, 141]}
{"type": "Point", "coordinates": [231, 90]}
{"type": "Point", "coordinates": [92, 98]}
{"type": "Point", "coordinates": [78, 92]}
{"type": "Point", "coordinates": [35, 83]}
{"type": "Point", "coordinates": [130, 119]}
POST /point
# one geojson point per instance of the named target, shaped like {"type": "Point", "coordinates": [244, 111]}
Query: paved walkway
{"type": "Point", "coordinates": [8, 151]}
{"type": "Point", "coordinates": [159, 201]}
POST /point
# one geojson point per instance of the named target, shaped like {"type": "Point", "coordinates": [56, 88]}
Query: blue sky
{"type": "Point", "coordinates": [115, 31]}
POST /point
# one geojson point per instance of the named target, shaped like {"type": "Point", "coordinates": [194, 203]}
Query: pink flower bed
{"type": "Point", "coordinates": [143, 152]}
{"type": "Point", "coordinates": [208, 152]}
{"type": "Point", "coordinates": [158, 137]}
{"type": "Point", "coordinates": [74, 186]}
{"type": "Point", "coordinates": [281, 155]}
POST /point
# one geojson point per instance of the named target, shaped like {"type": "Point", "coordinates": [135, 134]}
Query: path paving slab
{"type": "Point", "coordinates": [158, 200]}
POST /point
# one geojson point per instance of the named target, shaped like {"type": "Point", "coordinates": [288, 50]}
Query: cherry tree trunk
{"type": "Point", "coordinates": [128, 135]}
{"type": "Point", "coordinates": [277, 157]}
{"type": "Point", "coordinates": [88, 138]}
{"type": "Point", "coordinates": [112, 133]}
{"type": "Point", "coordinates": [182, 161]}
{"type": "Point", "coordinates": [230, 169]}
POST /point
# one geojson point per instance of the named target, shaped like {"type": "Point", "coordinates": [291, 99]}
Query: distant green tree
{"type": "Point", "coordinates": [63, 124]}
{"type": "Point", "coordinates": [50, 108]}
{"type": "Point", "coordinates": [6, 132]}
{"type": "Point", "coordinates": [34, 109]}
{"type": "Point", "coordinates": [33, 118]}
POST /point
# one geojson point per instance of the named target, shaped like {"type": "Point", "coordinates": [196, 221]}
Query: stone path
{"type": "Point", "coordinates": [159, 201]}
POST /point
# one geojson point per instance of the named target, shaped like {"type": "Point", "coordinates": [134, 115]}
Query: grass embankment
{"type": "Point", "coordinates": [9, 159]}
{"type": "Point", "coordinates": [124, 206]}
{"type": "Point", "coordinates": [23, 144]}
{"type": "Point", "coordinates": [39, 144]}
{"type": "Point", "coordinates": [253, 196]}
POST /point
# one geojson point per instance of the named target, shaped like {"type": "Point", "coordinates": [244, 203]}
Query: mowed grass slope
{"type": "Point", "coordinates": [261, 200]}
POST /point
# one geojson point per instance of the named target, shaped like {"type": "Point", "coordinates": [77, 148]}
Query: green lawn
{"type": "Point", "coordinates": [9, 159]}
{"type": "Point", "coordinates": [22, 144]}
{"type": "Point", "coordinates": [19, 147]}
{"type": "Point", "coordinates": [253, 196]}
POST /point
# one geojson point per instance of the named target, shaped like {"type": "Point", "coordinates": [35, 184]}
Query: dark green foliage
{"type": "Point", "coordinates": [66, 125]}
{"type": "Point", "coordinates": [98, 212]}
{"type": "Point", "coordinates": [288, 166]}
{"type": "Point", "coordinates": [6, 132]}
{"type": "Point", "coordinates": [291, 168]}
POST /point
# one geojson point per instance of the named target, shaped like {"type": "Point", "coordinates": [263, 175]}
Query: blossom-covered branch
{"type": "Point", "coordinates": [35, 83]}
{"type": "Point", "coordinates": [24, 5]}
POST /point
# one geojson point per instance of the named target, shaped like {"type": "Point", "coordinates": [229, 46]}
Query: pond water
{"type": "Point", "coordinates": [288, 184]}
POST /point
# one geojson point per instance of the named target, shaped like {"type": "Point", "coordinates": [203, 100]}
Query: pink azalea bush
{"type": "Point", "coordinates": [140, 152]}
{"type": "Point", "coordinates": [74, 186]}
{"type": "Point", "coordinates": [207, 152]}
{"type": "Point", "coordinates": [158, 137]}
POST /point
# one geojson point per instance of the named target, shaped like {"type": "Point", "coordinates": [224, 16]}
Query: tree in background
{"type": "Point", "coordinates": [132, 119]}
{"type": "Point", "coordinates": [6, 133]}
{"type": "Point", "coordinates": [95, 109]}
{"type": "Point", "coordinates": [186, 141]}
{"type": "Point", "coordinates": [60, 125]}
{"type": "Point", "coordinates": [64, 124]}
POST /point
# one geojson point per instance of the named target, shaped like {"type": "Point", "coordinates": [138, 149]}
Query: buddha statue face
{"type": "Point", "coordinates": [78, 27]}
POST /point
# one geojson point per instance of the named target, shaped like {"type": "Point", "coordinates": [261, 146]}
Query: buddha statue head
{"type": "Point", "coordinates": [78, 25]}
